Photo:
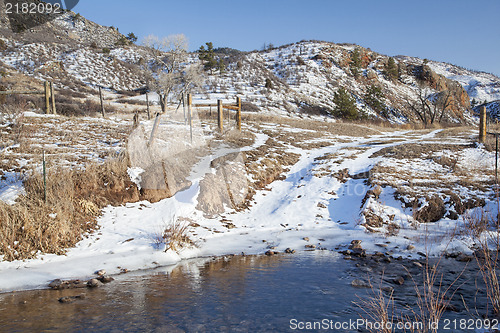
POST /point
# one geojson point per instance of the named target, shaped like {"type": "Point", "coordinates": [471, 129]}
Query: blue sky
{"type": "Point", "coordinates": [465, 33]}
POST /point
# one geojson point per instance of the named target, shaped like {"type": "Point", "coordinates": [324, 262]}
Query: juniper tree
{"type": "Point", "coordinates": [355, 65]}
{"type": "Point", "coordinates": [132, 38]}
{"type": "Point", "coordinates": [374, 99]}
{"type": "Point", "coordinates": [391, 70]}
{"type": "Point", "coordinates": [221, 66]}
{"type": "Point", "coordinates": [345, 105]}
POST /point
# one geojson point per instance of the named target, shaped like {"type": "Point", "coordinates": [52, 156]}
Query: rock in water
{"type": "Point", "coordinates": [357, 283]}
{"type": "Point", "coordinates": [66, 299]}
{"type": "Point", "coordinates": [55, 284]}
{"type": "Point", "coordinates": [399, 280]}
{"type": "Point", "coordinates": [92, 283]}
{"type": "Point", "coordinates": [105, 279]}
{"type": "Point", "coordinates": [100, 272]}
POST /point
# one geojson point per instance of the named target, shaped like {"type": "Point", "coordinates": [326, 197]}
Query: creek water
{"type": "Point", "coordinates": [279, 293]}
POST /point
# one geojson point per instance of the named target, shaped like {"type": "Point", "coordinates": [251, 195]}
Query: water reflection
{"type": "Point", "coordinates": [236, 294]}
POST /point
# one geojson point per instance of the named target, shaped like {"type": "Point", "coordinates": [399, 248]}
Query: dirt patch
{"type": "Point", "coordinates": [239, 139]}
{"type": "Point", "coordinates": [337, 128]}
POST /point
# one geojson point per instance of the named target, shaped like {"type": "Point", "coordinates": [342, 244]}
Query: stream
{"type": "Point", "coordinates": [279, 293]}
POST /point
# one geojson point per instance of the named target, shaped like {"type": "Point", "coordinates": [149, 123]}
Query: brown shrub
{"type": "Point", "coordinates": [432, 212]}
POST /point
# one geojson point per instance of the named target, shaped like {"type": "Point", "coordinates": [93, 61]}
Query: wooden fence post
{"type": "Point", "coordinates": [47, 97]}
{"type": "Point", "coordinates": [183, 107]}
{"type": "Point", "coordinates": [147, 105]}
{"type": "Point", "coordinates": [155, 128]}
{"type": "Point", "coordinates": [102, 103]}
{"type": "Point", "coordinates": [52, 97]}
{"type": "Point", "coordinates": [44, 177]}
{"type": "Point", "coordinates": [482, 124]}
{"type": "Point", "coordinates": [190, 115]}
{"type": "Point", "coordinates": [238, 113]}
{"type": "Point", "coordinates": [220, 115]}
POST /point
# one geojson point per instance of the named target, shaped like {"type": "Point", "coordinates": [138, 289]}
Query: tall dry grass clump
{"type": "Point", "coordinates": [432, 300]}
{"type": "Point", "coordinates": [484, 231]}
{"type": "Point", "coordinates": [379, 308]}
{"type": "Point", "coordinates": [176, 235]}
{"type": "Point", "coordinates": [432, 297]}
{"type": "Point", "coordinates": [35, 224]}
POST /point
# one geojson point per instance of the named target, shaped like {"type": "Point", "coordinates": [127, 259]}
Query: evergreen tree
{"type": "Point", "coordinates": [132, 38]}
{"type": "Point", "coordinates": [345, 105]}
{"type": "Point", "coordinates": [355, 65]}
{"type": "Point", "coordinates": [391, 70]}
{"type": "Point", "coordinates": [207, 56]}
{"type": "Point", "coordinates": [221, 66]}
{"type": "Point", "coordinates": [374, 99]}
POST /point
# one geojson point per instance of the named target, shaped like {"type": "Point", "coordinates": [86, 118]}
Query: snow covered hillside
{"type": "Point", "coordinates": [299, 78]}
{"type": "Point", "coordinates": [482, 87]}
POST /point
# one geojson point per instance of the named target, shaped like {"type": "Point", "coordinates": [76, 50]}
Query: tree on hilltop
{"type": "Point", "coordinates": [132, 38]}
{"type": "Point", "coordinates": [207, 57]}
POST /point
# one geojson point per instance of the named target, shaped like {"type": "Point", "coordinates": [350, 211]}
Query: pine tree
{"type": "Point", "coordinates": [132, 38]}
{"type": "Point", "coordinates": [391, 70]}
{"type": "Point", "coordinates": [345, 105]}
{"type": "Point", "coordinates": [207, 56]}
{"type": "Point", "coordinates": [221, 66]}
{"type": "Point", "coordinates": [355, 65]}
{"type": "Point", "coordinates": [374, 99]}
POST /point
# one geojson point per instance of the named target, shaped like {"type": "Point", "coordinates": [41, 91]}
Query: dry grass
{"type": "Point", "coordinates": [378, 308]}
{"type": "Point", "coordinates": [59, 136]}
{"type": "Point", "coordinates": [239, 139]}
{"type": "Point", "coordinates": [484, 232]}
{"type": "Point", "coordinates": [337, 128]}
{"type": "Point", "coordinates": [432, 300]}
{"type": "Point", "coordinates": [74, 199]}
{"type": "Point", "coordinates": [418, 150]}
{"type": "Point", "coordinates": [268, 162]}
{"type": "Point", "coordinates": [462, 132]}
{"type": "Point", "coordinates": [176, 235]}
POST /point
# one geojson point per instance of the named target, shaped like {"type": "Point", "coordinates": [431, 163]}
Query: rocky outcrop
{"type": "Point", "coordinates": [460, 101]}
